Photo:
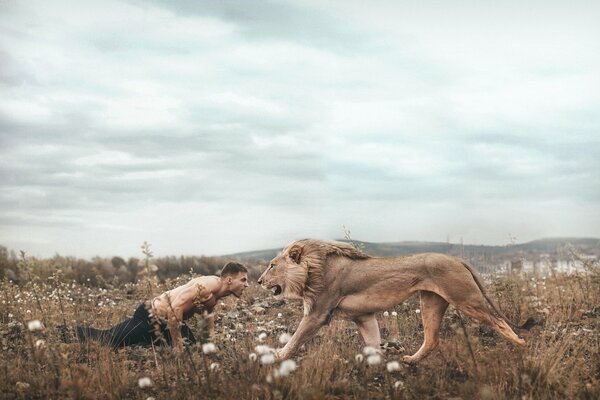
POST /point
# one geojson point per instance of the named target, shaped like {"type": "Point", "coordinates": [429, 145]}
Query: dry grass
{"type": "Point", "coordinates": [561, 359]}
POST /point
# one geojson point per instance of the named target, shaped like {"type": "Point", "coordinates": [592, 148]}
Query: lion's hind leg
{"type": "Point", "coordinates": [433, 307]}
{"type": "Point", "coordinates": [369, 330]}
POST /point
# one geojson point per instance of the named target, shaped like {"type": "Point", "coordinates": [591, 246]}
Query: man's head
{"type": "Point", "coordinates": [235, 276]}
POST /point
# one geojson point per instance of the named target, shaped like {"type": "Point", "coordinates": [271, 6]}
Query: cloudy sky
{"type": "Point", "coordinates": [211, 127]}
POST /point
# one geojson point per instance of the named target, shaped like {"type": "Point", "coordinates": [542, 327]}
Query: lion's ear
{"type": "Point", "coordinates": [295, 253]}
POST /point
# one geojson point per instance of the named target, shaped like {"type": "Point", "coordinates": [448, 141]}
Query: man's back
{"type": "Point", "coordinates": [195, 296]}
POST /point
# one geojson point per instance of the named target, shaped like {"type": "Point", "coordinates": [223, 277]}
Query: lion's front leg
{"type": "Point", "coordinates": [309, 325]}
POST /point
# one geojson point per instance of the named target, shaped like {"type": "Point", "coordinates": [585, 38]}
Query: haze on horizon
{"type": "Point", "coordinates": [218, 127]}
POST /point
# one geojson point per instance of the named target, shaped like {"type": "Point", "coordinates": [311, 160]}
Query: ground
{"type": "Point", "coordinates": [561, 359]}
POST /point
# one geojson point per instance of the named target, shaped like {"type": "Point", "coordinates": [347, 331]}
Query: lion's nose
{"type": "Point", "coordinates": [260, 280]}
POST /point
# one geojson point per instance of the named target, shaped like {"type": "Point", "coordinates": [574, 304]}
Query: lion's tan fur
{"type": "Point", "coordinates": [335, 279]}
{"type": "Point", "coordinates": [307, 283]}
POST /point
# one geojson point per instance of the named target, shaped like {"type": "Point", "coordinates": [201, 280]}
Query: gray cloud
{"type": "Point", "coordinates": [275, 20]}
{"type": "Point", "coordinates": [251, 124]}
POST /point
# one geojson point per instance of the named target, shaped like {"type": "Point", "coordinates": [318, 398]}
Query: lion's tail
{"type": "Point", "coordinates": [526, 326]}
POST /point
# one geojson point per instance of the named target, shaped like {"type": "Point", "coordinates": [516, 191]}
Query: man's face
{"type": "Point", "coordinates": [237, 283]}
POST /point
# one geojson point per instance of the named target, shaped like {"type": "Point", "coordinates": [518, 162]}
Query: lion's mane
{"type": "Point", "coordinates": [307, 282]}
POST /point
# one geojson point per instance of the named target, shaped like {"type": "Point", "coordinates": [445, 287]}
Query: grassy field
{"type": "Point", "coordinates": [561, 360]}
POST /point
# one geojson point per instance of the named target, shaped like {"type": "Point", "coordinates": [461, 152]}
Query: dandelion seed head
{"type": "Point", "coordinates": [368, 350]}
{"type": "Point", "coordinates": [359, 358]}
{"type": "Point", "coordinates": [418, 311]}
{"type": "Point", "coordinates": [398, 385]}
{"type": "Point", "coordinates": [394, 314]}
{"type": "Point", "coordinates": [386, 314]}
{"type": "Point", "coordinates": [144, 382]}
{"type": "Point", "coordinates": [393, 366]}
{"type": "Point", "coordinates": [374, 359]}
{"type": "Point", "coordinates": [267, 359]}
{"type": "Point", "coordinates": [279, 315]}
{"type": "Point", "coordinates": [286, 367]}
{"type": "Point", "coordinates": [35, 325]}
{"type": "Point", "coordinates": [208, 348]}
{"type": "Point", "coordinates": [214, 366]}
{"type": "Point", "coordinates": [284, 338]}
{"type": "Point", "coordinates": [252, 357]}
{"type": "Point", "coordinates": [40, 344]}
{"type": "Point", "coordinates": [262, 336]}
{"type": "Point", "coordinates": [262, 349]}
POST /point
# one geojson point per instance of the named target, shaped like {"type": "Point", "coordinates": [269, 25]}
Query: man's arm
{"type": "Point", "coordinates": [188, 299]}
{"type": "Point", "coordinates": [174, 319]}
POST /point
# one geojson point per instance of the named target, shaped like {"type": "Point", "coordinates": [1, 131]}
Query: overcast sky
{"type": "Point", "coordinates": [212, 127]}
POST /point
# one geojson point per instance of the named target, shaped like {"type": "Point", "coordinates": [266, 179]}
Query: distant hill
{"type": "Point", "coordinates": [549, 246]}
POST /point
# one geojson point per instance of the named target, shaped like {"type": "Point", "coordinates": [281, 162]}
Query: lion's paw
{"type": "Point", "coordinates": [409, 359]}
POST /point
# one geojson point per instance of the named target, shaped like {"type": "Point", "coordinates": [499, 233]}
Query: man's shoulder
{"type": "Point", "coordinates": [207, 281]}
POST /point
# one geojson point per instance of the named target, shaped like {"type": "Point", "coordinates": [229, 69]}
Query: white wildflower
{"type": "Point", "coordinates": [262, 336]}
{"type": "Point", "coordinates": [279, 315]}
{"type": "Point", "coordinates": [252, 357]}
{"type": "Point", "coordinates": [418, 311]}
{"type": "Point", "coordinates": [286, 367]}
{"type": "Point", "coordinates": [358, 358]}
{"type": "Point", "coordinates": [368, 350]}
{"type": "Point", "coordinates": [394, 314]}
{"type": "Point", "coordinates": [374, 359]}
{"type": "Point", "coordinates": [208, 348]}
{"type": "Point", "coordinates": [10, 315]}
{"type": "Point", "coordinates": [214, 366]}
{"type": "Point", "coordinates": [266, 359]}
{"type": "Point", "coordinates": [386, 314]}
{"type": "Point", "coordinates": [262, 349]}
{"type": "Point", "coordinates": [144, 382]}
{"type": "Point", "coordinates": [40, 344]}
{"type": "Point", "coordinates": [393, 366]}
{"type": "Point", "coordinates": [28, 311]}
{"type": "Point", "coordinates": [35, 325]}
{"type": "Point", "coordinates": [284, 338]}
{"type": "Point", "coordinates": [398, 385]}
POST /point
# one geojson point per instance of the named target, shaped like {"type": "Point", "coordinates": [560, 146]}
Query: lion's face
{"type": "Point", "coordinates": [286, 274]}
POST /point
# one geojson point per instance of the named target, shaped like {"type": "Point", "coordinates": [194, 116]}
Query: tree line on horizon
{"type": "Point", "coordinates": [108, 272]}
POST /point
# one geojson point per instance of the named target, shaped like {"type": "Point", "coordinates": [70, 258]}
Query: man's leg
{"type": "Point", "coordinates": [136, 330]}
{"type": "Point", "coordinates": [129, 332]}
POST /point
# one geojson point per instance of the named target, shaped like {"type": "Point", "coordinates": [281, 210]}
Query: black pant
{"type": "Point", "coordinates": [141, 329]}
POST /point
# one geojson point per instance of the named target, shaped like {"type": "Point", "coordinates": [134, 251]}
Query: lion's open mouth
{"type": "Point", "coordinates": [277, 290]}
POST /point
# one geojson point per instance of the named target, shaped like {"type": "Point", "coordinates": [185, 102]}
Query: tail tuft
{"type": "Point", "coordinates": [530, 323]}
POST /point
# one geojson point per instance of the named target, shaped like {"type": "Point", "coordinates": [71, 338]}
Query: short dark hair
{"type": "Point", "coordinates": [233, 268]}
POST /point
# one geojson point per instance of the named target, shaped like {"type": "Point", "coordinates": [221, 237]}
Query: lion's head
{"type": "Point", "coordinates": [296, 272]}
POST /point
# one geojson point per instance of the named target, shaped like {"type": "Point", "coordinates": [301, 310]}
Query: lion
{"type": "Point", "coordinates": [336, 280]}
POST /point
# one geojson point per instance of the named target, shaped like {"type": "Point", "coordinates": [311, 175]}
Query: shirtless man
{"type": "Point", "coordinates": [162, 319]}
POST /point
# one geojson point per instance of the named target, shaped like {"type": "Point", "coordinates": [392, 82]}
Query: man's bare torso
{"type": "Point", "coordinates": [194, 297]}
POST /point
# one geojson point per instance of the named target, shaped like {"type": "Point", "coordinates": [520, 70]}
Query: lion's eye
{"type": "Point", "coordinates": [271, 266]}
